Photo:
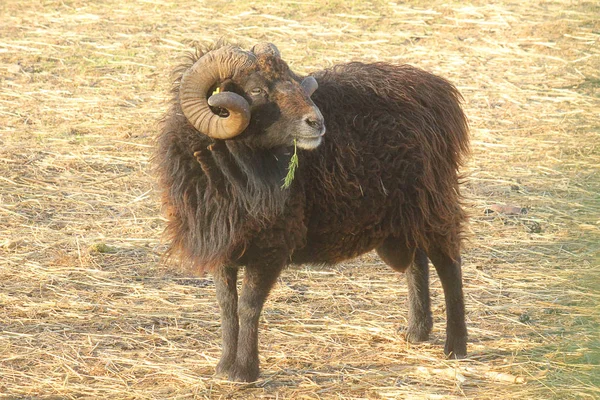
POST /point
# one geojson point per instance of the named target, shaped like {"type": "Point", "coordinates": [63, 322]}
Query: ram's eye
{"type": "Point", "coordinates": [256, 91]}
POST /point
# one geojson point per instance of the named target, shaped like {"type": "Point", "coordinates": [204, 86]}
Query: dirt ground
{"type": "Point", "coordinates": [89, 310]}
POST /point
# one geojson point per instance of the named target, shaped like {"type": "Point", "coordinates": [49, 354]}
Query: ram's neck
{"type": "Point", "coordinates": [253, 177]}
{"type": "Point", "coordinates": [220, 199]}
{"type": "Point", "coordinates": [263, 167]}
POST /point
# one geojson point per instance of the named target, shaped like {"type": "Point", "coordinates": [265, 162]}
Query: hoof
{"type": "Point", "coordinates": [223, 367]}
{"type": "Point", "coordinates": [456, 348]}
{"type": "Point", "coordinates": [418, 329]}
{"type": "Point", "coordinates": [243, 374]}
{"type": "Point", "coordinates": [416, 335]}
{"type": "Point", "coordinates": [418, 332]}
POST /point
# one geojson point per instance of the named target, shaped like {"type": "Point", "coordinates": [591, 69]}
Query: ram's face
{"type": "Point", "coordinates": [282, 112]}
{"type": "Point", "coordinates": [230, 92]}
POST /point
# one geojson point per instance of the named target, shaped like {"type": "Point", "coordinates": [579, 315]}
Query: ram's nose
{"type": "Point", "coordinates": [315, 121]}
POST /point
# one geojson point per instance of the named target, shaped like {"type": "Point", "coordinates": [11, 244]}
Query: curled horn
{"type": "Point", "coordinates": [266, 48]}
{"type": "Point", "coordinates": [216, 66]}
{"type": "Point", "coordinates": [309, 84]}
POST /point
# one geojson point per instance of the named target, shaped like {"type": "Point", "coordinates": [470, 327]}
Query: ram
{"type": "Point", "coordinates": [261, 168]}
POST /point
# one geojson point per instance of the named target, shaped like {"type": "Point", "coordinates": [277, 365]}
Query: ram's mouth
{"type": "Point", "coordinates": [309, 142]}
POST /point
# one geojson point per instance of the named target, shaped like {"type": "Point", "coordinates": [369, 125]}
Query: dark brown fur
{"type": "Point", "coordinates": [385, 177]}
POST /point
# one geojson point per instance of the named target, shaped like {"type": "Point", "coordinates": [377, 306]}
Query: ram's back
{"type": "Point", "coordinates": [396, 137]}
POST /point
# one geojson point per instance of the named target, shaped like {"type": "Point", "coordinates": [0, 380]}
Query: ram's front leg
{"type": "Point", "coordinates": [227, 296]}
{"type": "Point", "coordinates": [258, 281]}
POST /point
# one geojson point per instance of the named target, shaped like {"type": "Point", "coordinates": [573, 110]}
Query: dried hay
{"type": "Point", "coordinates": [88, 311]}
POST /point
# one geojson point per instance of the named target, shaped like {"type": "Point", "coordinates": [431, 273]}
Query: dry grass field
{"type": "Point", "coordinates": [88, 310]}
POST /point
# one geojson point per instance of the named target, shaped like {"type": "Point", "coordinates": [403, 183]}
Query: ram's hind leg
{"type": "Point", "coordinates": [419, 312]}
{"type": "Point", "coordinates": [448, 267]}
{"type": "Point", "coordinates": [415, 264]}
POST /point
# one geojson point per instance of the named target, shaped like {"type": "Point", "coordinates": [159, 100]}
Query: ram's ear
{"type": "Point", "coordinates": [309, 84]}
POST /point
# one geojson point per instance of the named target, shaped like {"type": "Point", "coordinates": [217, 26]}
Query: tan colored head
{"type": "Point", "coordinates": [260, 93]}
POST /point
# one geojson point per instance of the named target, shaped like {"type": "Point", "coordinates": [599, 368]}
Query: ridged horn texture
{"type": "Point", "coordinates": [266, 48]}
{"type": "Point", "coordinates": [216, 66]}
{"type": "Point", "coordinates": [309, 84]}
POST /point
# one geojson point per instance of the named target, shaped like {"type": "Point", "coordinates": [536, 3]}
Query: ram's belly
{"type": "Point", "coordinates": [330, 242]}
{"type": "Point", "coordinates": [347, 225]}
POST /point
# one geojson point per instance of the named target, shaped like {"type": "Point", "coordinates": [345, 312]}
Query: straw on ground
{"type": "Point", "coordinates": [88, 310]}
